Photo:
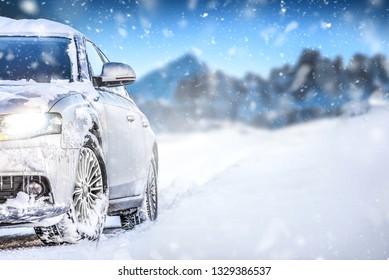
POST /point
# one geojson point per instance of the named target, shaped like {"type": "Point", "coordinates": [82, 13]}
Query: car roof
{"type": "Point", "coordinates": [36, 27]}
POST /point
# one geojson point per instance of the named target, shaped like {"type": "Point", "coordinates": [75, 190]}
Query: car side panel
{"type": "Point", "coordinates": [126, 146]}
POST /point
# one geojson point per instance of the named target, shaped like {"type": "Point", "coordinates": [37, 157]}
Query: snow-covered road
{"type": "Point", "coordinates": [312, 191]}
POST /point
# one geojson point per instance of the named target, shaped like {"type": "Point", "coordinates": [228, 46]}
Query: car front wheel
{"type": "Point", "coordinates": [86, 217]}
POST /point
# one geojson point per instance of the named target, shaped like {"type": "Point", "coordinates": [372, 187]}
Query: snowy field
{"type": "Point", "coordinates": [312, 191]}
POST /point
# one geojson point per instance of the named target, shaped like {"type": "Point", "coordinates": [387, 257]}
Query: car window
{"type": "Point", "coordinates": [41, 59]}
{"type": "Point", "coordinates": [120, 90]}
{"type": "Point", "coordinates": [96, 58]}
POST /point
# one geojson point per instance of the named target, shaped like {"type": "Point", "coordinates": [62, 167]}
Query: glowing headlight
{"type": "Point", "coordinates": [22, 126]}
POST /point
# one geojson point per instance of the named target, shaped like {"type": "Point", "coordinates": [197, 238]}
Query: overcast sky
{"type": "Point", "coordinates": [234, 36]}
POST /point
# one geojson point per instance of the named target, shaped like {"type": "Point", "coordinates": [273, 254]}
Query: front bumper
{"type": "Point", "coordinates": [34, 158]}
{"type": "Point", "coordinates": [31, 216]}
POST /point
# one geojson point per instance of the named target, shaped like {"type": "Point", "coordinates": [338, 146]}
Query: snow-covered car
{"type": "Point", "coordinates": [74, 147]}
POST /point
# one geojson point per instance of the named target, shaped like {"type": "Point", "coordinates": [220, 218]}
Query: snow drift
{"type": "Point", "coordinates": [310, 191]}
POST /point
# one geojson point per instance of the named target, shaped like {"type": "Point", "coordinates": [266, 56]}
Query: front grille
{"type": "Point", "coordinates": [11, 185]}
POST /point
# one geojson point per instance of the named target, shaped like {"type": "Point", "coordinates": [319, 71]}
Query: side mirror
{"type": "Point", "coordinates": [115, 74]}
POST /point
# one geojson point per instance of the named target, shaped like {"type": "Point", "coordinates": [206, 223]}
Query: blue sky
{"type": "Point", "coordinates": [234, 36]}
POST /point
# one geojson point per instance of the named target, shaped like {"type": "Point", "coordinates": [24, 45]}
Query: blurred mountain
{"type": "Point", "coordinates": [186, 94]}
{"type": "Point", "coordinates": [162, 83]}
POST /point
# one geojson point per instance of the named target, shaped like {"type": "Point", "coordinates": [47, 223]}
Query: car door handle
{"type": "Point", "coordinates": [130, 118]}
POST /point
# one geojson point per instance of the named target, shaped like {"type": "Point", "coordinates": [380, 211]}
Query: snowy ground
{"type": "Point", "coordinates": [313, 191]}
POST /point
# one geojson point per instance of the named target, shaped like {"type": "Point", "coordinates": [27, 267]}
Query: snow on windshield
{"type": "Point", "coordinates": [41, 59]}
{"type": "Point", "coordinates": [44, 28]}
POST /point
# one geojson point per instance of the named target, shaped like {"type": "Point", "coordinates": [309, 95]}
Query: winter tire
{"type": "Point", "coordinates": [150, 203]}
{"type": "Point", "coordinates": [86, 217]}
{"type": "Point", "coordinates": [149, 209]}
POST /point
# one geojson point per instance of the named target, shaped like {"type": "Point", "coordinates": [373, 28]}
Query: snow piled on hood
{"type": "Point", "coordinates": [34, 27]}
{"type": "Point", "coordinates": [39, 97]}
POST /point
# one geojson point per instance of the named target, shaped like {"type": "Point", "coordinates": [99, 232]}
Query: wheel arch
{"type": "Point", "coordinates": [92, 140]}
{"type": "Point", "coordinates": [96, 129]}
{"type": "Point", "coordinates": [79, 119]}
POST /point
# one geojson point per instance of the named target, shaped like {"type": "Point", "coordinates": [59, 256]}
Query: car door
{"type": "Point", "coordinates": [124, 134]}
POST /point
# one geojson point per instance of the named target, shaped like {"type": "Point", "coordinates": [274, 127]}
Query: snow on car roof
{"type": "Point", "coordinates": [39, 27]}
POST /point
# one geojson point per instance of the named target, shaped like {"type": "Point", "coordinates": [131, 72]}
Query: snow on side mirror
{"type": "Point", "coordinates": [115, 74]}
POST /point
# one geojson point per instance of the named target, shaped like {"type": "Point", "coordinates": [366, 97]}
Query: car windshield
{"type": "Point", "coordinates": [41, 59]}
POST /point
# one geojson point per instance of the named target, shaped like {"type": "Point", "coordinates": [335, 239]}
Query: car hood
{"type": "Point", "coordinates": [32, 97]}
